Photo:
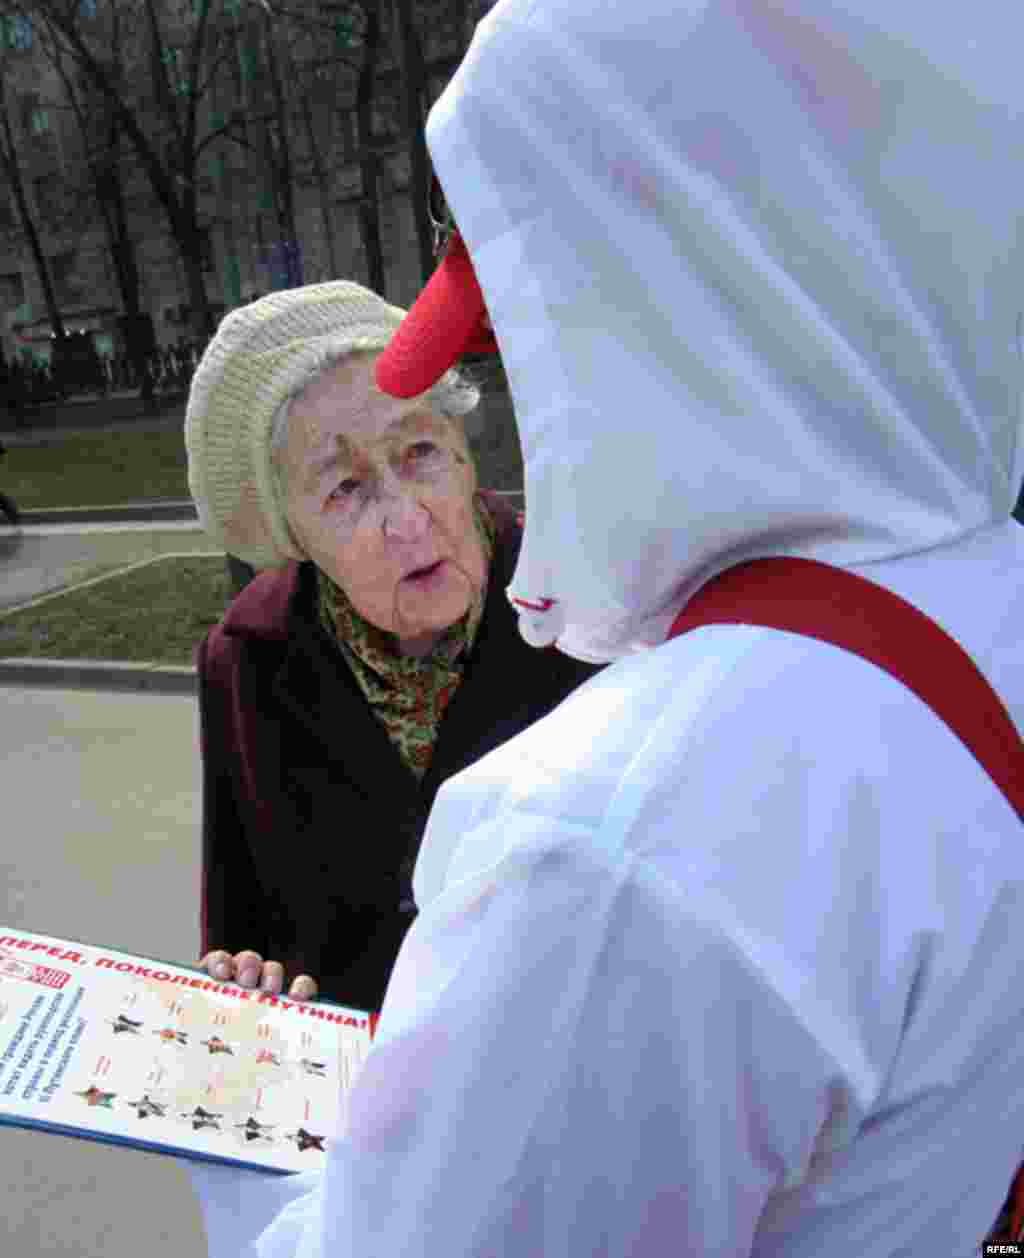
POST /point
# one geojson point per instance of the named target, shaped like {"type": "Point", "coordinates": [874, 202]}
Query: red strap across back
{"type": "Point", "coordinates": [820, 601]}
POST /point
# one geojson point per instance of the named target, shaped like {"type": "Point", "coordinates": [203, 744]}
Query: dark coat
{"type": "Point", "coordinates": [311, 820]}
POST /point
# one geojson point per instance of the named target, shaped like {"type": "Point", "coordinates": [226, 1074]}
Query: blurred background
{"type": "Point", "coordinates": [165, 161]}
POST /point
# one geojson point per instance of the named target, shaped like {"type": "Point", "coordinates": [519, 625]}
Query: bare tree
{"type": "Point", "coordinates": [409, 56]}
{"type": "Point", "coordinates": [97, 129]}
{"type": "Point", "coordinates": [369, 205]}
{"type": "Point", "coordinates": [278, 150]}
{"type": "Point", "coordinates": [184, 49]}
{"type": "Point", "coordinates": [323, 64]}
{"type": "Point", "coordinates": [318, 167]}
{"type": "Point", "coordinates": [9, 160]}
{"type": "Point", "coordinates": [354, 27]}
{"type": "Point", "coordinates": [161, 67]}
{"type": "Point", "coordinates": [382, 27]}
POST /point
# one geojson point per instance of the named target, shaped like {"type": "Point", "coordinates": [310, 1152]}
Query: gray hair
{"type": "Point", "coordinates": [454, 396]}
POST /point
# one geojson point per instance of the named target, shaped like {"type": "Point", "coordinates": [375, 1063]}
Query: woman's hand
{"type": "Point", "coordinates": [248, 969]}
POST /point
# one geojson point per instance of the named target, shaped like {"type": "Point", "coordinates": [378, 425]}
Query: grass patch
{"type": "Point", "coordinates": [154, 614]}
{"type": "Point", "coordinates": [94, 469]}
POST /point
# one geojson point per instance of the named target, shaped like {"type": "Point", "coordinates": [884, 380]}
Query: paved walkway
{"type": "Point", "coordinates": [101, 797]}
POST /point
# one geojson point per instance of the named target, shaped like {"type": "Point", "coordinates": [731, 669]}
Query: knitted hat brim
{"type": "Point", "coordinates": [243, 379]}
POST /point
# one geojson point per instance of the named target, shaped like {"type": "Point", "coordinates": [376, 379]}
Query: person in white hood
{"type": "Point", "coordinates": [723, 956]}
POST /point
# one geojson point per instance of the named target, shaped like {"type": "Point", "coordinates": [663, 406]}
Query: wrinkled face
{"type": "Point", "coordinates": [377, 490]}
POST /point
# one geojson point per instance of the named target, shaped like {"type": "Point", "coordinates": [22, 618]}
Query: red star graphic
{"type": "Point", "coordinates": [95, 1097]}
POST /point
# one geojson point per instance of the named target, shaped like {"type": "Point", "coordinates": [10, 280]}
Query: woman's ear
{"type": "Point", "coordinates": [294, 531]}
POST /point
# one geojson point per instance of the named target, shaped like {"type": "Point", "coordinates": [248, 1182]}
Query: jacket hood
{"type": "Point", "coordinates": [756, 270]}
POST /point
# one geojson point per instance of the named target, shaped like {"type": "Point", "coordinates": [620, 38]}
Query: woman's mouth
{"type": "Point", "coordinates": [426, 576]}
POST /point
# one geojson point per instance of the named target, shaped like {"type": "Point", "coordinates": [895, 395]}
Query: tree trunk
{"type": "Point", "coordinates": [282, 165]}
{"type": "Point", "coordinates": [323, 187]}
{"type": "Point", "coordinates": [200, 314]}
{"type": "Point", "coordinates": [109, 193]}
{"type": "Point", "coordinates": [122, 248]}
{"type": "Point", "coordinates": [409, 55]}
{"type": "Point", "coordinates": [174, 187]}
{"type": "Point", "coordinates": [232, 293]}
{"type": "Point", "coordinates": [180, 207]}
{"type": "Point", "coordinates": [188, 237]}
{"type": "Point", "coordinates": [9, 159]}
{"type": "Point", "coordinates": [369, 212]}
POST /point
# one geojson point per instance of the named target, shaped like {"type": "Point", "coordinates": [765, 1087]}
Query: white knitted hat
{"type": "Point", "coordinates": [261, 356]}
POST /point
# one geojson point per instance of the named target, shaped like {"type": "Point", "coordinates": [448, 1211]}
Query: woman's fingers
{"type": "Point", "coordinates": [248, 968]}
{"type": "Point", "coordinates": [272, 977]}
{"type": "Point", "coordinates": [304, 988]}
{"type": "Point", "coordinates": [218, 964]}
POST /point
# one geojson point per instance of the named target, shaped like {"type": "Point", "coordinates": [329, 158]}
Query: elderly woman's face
{"type": "Point", "coordinates": [379, 489]}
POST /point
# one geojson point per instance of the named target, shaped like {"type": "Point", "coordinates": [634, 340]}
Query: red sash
{"type": "Point", "coordinates": [819, 601]}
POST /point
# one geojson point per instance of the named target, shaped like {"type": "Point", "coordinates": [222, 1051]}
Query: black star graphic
{"type": "Point", "coordinates": [254, 1130]}
{"type": "Point", "coordinates": [203, 1118]}
{"type": "Point", "coordinates": [147, 1107]}
{"type": "Point", "coordinates": [126, 1024]}
{"type": "Point", "coordinates": [307, 1141]}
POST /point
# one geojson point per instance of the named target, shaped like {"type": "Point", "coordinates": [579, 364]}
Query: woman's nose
{"type": "Point", "coordinates": [405, 518]}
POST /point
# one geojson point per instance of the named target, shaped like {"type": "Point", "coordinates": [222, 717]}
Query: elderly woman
{"type": "Point", "coordinates": [374, 655]}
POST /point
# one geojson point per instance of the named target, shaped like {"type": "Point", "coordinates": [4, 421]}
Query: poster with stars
{"type": "Point", "coordinates": [106, 1045]}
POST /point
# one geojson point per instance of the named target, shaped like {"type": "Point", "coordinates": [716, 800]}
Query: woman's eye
{"type": "Point", "coordinates": [346, 488]}
{"type": "Point", "coordinates": [422, 448]}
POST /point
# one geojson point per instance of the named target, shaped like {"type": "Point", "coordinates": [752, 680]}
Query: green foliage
{"type": "Point", "coordinates": [16, 32]}
{"type": "Point", "coordinates": [344, 32]}
{"type": "Point", "coordinates": [247, 62]}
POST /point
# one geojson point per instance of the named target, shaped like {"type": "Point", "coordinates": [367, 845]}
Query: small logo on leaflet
{"type": "Point", "coordinates": [15, 967]}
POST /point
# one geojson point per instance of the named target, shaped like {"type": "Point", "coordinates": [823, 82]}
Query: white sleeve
{"type": "Point", "coordinates": [568, 1063]}
{"type": "Point", "coordinates": [252, 1214]}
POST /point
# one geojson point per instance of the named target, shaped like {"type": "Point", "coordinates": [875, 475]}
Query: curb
{"type": "Point", "coordinates": [99, 675]}
{"type": "Point", "coordinates": [125, 512]}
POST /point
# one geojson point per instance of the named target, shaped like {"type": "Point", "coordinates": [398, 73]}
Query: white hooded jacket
{"type": "Point", "coordinates": [722, 956]}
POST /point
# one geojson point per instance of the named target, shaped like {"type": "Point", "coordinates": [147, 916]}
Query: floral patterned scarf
{"type": "Point", "coordinates": [407, 695]}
